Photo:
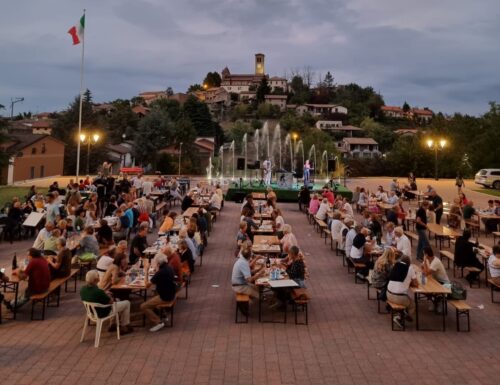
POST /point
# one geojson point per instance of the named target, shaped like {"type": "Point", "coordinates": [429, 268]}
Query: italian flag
{"type": "Point", "coordinates": [76, 31]}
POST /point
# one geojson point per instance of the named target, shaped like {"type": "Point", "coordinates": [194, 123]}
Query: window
{"type": "Point", "coordinates": [42, 171]}
{"type": "Point", "coordinates": [495, 173]}
{"type": "Point", "coordinates": [43, 148]}
{"type": "Point", "coordinates": [33, 150]}
{"type": "Point", "coordinates": [32, 172]}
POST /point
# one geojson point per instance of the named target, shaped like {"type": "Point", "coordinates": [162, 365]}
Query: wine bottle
{"type": "Point", "coordinates": [268, 262]}
{"type": "Point", "coordinates": [14, 262]}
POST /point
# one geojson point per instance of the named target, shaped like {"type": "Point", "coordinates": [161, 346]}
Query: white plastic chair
{"type": "Point", "coordinates": [90, 308]}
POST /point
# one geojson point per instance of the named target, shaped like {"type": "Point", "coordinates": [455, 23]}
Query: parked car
{"type": "Point", "coordinates": [488, 177]}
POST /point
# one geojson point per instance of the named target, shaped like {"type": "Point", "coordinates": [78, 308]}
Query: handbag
{"type": "Point", "coordinates": [457, 291]}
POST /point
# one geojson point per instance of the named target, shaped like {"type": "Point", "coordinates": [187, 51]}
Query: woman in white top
{"type": "Point", "coordinates": [402, 277]}
{"type": "Point", "coordinates": [363, 198]}
{"type": "Point", "coordinates": [278, 220]}
{"type": "Point", "coordinates": [288, 239]}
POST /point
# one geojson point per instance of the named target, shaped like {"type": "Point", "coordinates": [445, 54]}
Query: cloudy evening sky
{"type": "Point", "coordinates": [442, 54]}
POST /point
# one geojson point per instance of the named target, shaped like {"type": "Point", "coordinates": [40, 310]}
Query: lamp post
{"type": "Point", "coordinates": [12, 102]}
{"type": "Point", "coordinates": [89, 140]}
{"type": "Point", "coordinates": [180, 155]}
{"type": "Point", "coordinates": [436, 145]}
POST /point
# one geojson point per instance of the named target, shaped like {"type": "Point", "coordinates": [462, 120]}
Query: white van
{"type": "Point", "coordinates": [488, 177]}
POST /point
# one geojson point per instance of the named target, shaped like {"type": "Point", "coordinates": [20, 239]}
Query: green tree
{"type": "Point", "coordinates": [169, 91]}
{"type": "Point", "coordinates": [199, 115]}
{"type": "Point", "coordinates": [212, 79]}
{"type": "Point", "coordinates": [384, 136]}
{"type": "Point", "coordinates": [170, 106]}
{"type": "Point", "coordinates": [262, 90]}
{"type": "Point", "coordinates": [299, 90]}
{"type": "Point", "coordinates": [121, 121]}
{"type": "Point", "coordinates": [137, 101]}
{"type": "Point", "coordinates": [155, 132]}
{"type": "Point", "coordinates": [406, 107]}
{"type": "Point", "coordinates": [328, 80]}
{"type": "Point", "coordinates": [194, 88]}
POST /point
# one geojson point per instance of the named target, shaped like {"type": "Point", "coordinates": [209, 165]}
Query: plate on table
{"type": "Point", "coordinates": [262, 280]}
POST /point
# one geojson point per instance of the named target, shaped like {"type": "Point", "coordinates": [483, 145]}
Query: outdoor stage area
{"type": "Point", "coordinates": [237, 192]}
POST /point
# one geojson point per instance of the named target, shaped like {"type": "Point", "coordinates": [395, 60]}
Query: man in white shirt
{"type": "Point", "coordinates": [350, 237]}
{"type": "Point", "coordinates": [392, 199]}
{"type": "Point", "coordinates": [215, 202]}
{"type": "Point", "coordinates": [336, 228]}
{"type": "Point", "coordinates": [434, 267]}
{"type": "Point", "coordinates": [323, 210]}
{"type": "Point", "coordinates": [137, 184]}
{"type": "Point", "coordinates": [147, 187]}
{"type": "Point", "coordinates": [403, 244]}
{"type": "Point", "coordinates": [43, 235]}
{"type": "Point", "coordinates": [347, 208]}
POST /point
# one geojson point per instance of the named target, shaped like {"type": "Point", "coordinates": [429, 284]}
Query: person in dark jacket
{"type": "Point", "coordinates": [466, 257]}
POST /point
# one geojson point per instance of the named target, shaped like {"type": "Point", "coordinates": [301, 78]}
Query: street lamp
{"type": "Point", "coordinates": [436, 145]}
{"type": "Point", "coordinates": [12, 102]}
{"type": "Point", "coordinates": [89, 140]}
{"type": "Point", "coordinates": [180, 155]}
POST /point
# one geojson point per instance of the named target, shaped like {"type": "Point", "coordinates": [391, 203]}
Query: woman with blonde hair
{"type": "Point", "coordinates": [288, 239]}
{"type": "Point", "coordinates": [381, 271]}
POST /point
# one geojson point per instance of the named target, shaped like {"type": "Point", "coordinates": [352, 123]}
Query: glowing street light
{"type": "Point", "coordinates": [436, 145]}
{"type": "Point", "coordinates": [89, 140]}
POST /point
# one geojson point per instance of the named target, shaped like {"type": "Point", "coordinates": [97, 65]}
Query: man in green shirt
{"type": "Point", "coordinates": [92, 293]}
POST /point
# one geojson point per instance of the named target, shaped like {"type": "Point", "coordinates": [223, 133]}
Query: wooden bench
{"type": "Point", "coordinates": [54, 288]}
{"type": "Point", "coordinates": [310, 216]}
{"type": "Point", "coordinates": [168, 306]}
{"type": "Point", "coordinates": [328, 234]}
{"type": "Point", "coordinates": [495, 235]}
{"type": "Point", "coordinates": [159, 209]}
{"type": "Point", "coordinates": [494, 287]}
{"type": "Point", "coordinates": [300, 299]}
{"type": "Point", "coordinates": [462, 309]}
{"type": "Point", "coordinates": [412, 236]}
{"type": "Point", "coordinates": [352, 264]}
{"type": "Point", "coordinates": [242, 305]}
{"type": "Point", "coordinates": [473, 270]}
{"type": "Point", "coordinates": [473, 225]}
{"type": "Point", "coordinates": [397, 309]}
{"type": "Point", "coordinates": [320, 225]}
{"type": "Point", "coordinates": [449, 257]}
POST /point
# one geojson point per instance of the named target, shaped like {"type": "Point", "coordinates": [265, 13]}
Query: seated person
{"type": "Point", "coordinates": [465, 256]}
{"type": "Point", "coordinates": [168, 223]}
{"type": "Point", "coordinates": [38, 275]}
{"type": "Point", "coordinates": [295, 266]}
{"type": "Point", "coordinates": [288, 239]}
{"type": "Point", "coordinates": [115, 272]}
{"type": "Point", "coordinates": [403, 243]}
{"type": "Point", "coordinates": [314, 204]}
{"type": "Point", "coordinates": [106, 260]}
{"type": "Point", "coordinates": [494, 265]}
{"type": "Point", "coordinates": [92, 293]}
{"type": "Point", "coordinates": [3, 279]}
{"type": "Point", "coordinates": [382, 271]}
{"type": "Point", "coordinates": [186, 254]}
{"type": "Point", "coordinates": [43, 234]}
{"type": "Point", "coordinates": [187, 201]}
{"type": "Point", "coordinates": [60, 266]}
{"type": "Point", "coordinates": [104, 233]}
{"type": "Point", "coordinates": [50, 244]}
{"type": "Point", "coordinates": [322, 212]}
{"type": "Point", "coordinates": [139, 244]}
{"type": "Point", "coordinates": [390, 237]}
{"type": "Point", "coordinates": [455, 214]}
{"type": "Point", "coordinates": [165, 289]}
{"type": "Point", "coordinates": [242, 236]}
{"type": "Point", "coordinates": [360, 252]}
{"type": "Point", "coordinates": [468, 210]}
{"type": "Point", "coordinates": [88, 248]}
{"type": "Point", "coordinates": [402, 277]}
{"type": "Point", "coordinates": [433, 266]}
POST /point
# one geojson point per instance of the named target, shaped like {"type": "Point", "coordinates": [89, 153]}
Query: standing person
{"type": "Point", "coordinates": [421, 227]}
{"type": "Point", "coordinates": [437, 203]}
{"type": "Point", "coordinates": [52, 209]}
{"type": "Point", "coordinates": [459, 182]}
{"type": "Point", "coordinates": [165, 288]}
{"type": "Point", "coordinates": [267, 172]}
{"type": "Point", "coordinates": [307, 173]}
{"type": "Point", "coordinates": [38, 275]}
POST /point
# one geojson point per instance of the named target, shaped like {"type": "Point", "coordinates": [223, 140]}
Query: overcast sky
{"type": "Point", "coordinates": [441, 54]}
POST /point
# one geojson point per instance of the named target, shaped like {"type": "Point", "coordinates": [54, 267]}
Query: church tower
{"type": "Point", "coordinates": [259, 64]}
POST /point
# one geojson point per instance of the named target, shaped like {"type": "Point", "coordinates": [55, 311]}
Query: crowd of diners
{"type": "Point", "coordinates": [249, 266]}
{"type": "Point", "coordinates": [65, 241]}
{"type": "Point", "coordinates": [383, 221]}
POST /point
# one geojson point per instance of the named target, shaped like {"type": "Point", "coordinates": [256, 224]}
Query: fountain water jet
{"type": "Point", "coordinates": [245, 149]}
{"type": "Point", "coordinates": [231, 147]}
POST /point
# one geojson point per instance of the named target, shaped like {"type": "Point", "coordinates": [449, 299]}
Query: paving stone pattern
{"type": "Point", "coordinates": [346, 341]}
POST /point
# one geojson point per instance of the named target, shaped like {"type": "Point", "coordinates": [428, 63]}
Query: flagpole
{"type": "Point", "coordinates": [81, 106]}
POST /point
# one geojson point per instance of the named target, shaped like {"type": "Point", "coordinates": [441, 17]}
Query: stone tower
{"type": "Point", "coordinates": [259, 64]}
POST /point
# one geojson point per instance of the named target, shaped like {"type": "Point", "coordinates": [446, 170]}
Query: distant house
{"type": "Point", "coordinates": [120, 155]}
{"type": "Point", "coordinates": [359, 147]}
{"type": "Point", "coordinates": [150, 96]}
{"type": "Point", "coordinates": [217, 95]}
{"type": "Point", "coordinates": [277, 82]}
{"type": "Point", "coordinates": [104, 108]}
{"type": "Point", "coordinates": [321, 109]}
{"type": "Point", "coordinates": [393, 111]}
{"type": "Point", "coordinates": [140, 111]}
{"type": "Point", "coordinates": [328, 124]}
{"type": "Point", "coordinates": [276, 100]}
{"type": "Point", "coordinates": [203, 147]}
{"type": "Point", "coordinates": [424, 114]}
{"type": "Point", "coordinates": [42, 127]}
{"type": "Point", "coordinates": [32, 156]}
